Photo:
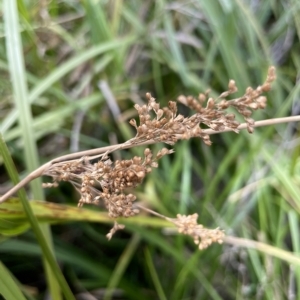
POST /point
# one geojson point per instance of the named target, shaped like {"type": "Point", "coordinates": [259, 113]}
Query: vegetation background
{"type": "Point", "coordinates": [86, 63]}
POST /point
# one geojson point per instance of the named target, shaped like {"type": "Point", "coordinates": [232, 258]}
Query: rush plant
{"type": "Point", "coordinates": [103, 182]}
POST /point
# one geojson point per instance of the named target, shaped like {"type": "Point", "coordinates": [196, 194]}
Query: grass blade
{"type": "Point", "coordinates": [47, 254]}
{"type": "Point", "coordinates": [154, 276]}
{"type": "Point", "coordinates": [18, 76]}
{"type": "Point", "coordinates": [8, 287]}
{"type": "Point", "coordinates": [62, 70]}
{"type": "Point", "coordinates": [121, 266]}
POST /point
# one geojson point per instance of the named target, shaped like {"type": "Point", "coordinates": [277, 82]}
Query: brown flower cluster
{"type": "Point", "coordinates": [168, 126]}
{"type": "Point", "coordinates": [251, 100]}
{"type": "Point", "coordinates": [106, 181]}
{"type": "Point", "coordinates": [202, 236]}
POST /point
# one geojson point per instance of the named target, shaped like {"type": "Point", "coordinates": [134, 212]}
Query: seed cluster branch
{"type": "Point", "coordinates": [167, 126]}
{"type": "Point", "coordinates": [101, 181]}
{"type": "Point", "coordinates": [107, 182]}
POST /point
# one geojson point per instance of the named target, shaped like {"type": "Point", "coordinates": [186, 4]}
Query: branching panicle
{"type": "Point", "coordinates": [107, 182]}
{"type": "Point", "coordinates": [168, 127]}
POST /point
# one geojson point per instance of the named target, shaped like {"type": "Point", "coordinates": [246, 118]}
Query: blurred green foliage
{"type": "Point", "coordinates": [74, 53]}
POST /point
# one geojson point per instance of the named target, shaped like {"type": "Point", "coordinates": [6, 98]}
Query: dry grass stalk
{"type": "Point", "coordinates": [107, 182]}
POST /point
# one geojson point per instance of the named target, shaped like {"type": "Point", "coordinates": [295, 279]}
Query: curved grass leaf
{"type": "Point", "coordinates": [8, 286]}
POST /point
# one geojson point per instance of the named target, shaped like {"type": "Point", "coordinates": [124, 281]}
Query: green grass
{"type": "Point", "coordinates": [246, 184]}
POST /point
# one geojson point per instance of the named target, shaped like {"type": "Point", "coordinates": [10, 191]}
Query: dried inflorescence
{"type": "Point", "coordinates": [107, 182]}
{"type": "Point", "coordinates": [115, 228]}
{"type": "Point", "coordinates": [168, 126]}
{"type": "Point", "coordinates": [202, 236]}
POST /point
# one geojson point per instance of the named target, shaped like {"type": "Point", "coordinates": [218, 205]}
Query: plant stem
{"type": "Point", "coordinates": [98, 152]}
{"type": "Point", "coordinates": [268, 249]}
{"type": "Point", "coordinates": [259, 124]}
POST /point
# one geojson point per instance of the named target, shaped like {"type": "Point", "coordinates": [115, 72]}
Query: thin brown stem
{"type": "Point", "coordinates": [152, 212]}
{"type": "Point", "coordinates": [94, 153]}
{"type": "Point", "coordinates": [259, 124]}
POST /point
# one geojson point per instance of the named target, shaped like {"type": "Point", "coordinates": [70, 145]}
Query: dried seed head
{"type": "Point", "coordinates": [133, 123]}
{"type": "Point", "coordinates": [159, 113]}
{"type": "Point", "coordinates": [154, 164]}
{"type": "Point", "coordinates": [173, 107]}
{"type": "Point", "coordinates": [210, 103]}
{"type": "Point", "coordinates": [250, 121]}
{"type": "Point", "coordinates": [147, 152]}
{"type": "Point", "coordinates": [115, 228]}
{"type": "Point", "coordinates": [250, 129]}
{"type": "Point", "coordinates": [202, 236]}
{"type": "Point", "coordinates": [232, 87]}
{"type": "Point", "coordinates": [202, 98]}
{"type": "Point", "coordinates": [253, 105]}
{"type": "Point", "coordinates": [223, 104]}
{"type": "Point", "coordinates": [230, 117]}
{"type": "Point", "coordinates": [107, 181]}
{"type": "Point", "coordinates": [182, 99]}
